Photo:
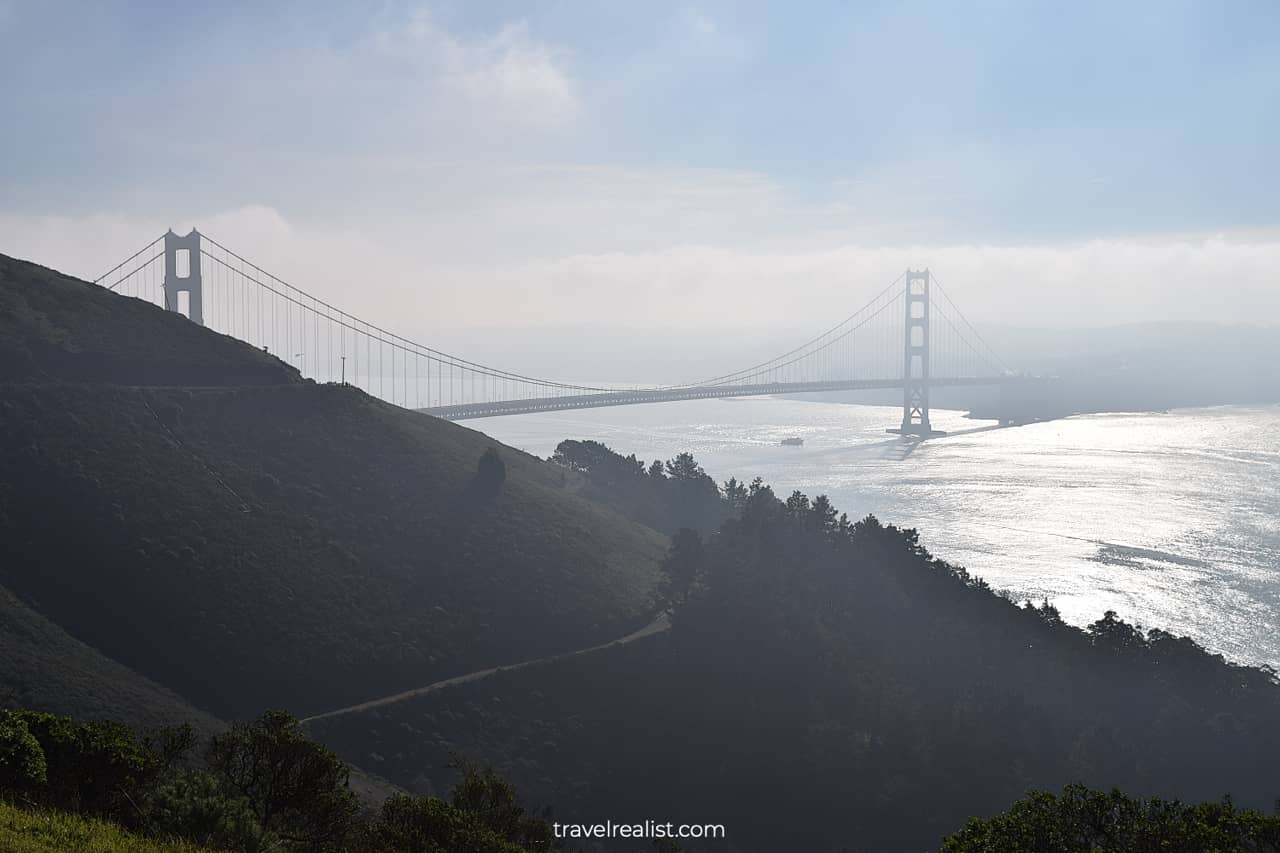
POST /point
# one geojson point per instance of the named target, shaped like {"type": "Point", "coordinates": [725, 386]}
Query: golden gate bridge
{"type": "Point", "coordinates": [909, 335]}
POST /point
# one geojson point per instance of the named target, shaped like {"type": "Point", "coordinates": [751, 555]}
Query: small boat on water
{"type": "Point", "coordinates": [793, 441]}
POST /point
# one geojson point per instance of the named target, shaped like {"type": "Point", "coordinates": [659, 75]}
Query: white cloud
{"type": "Point", "coordinates": [508, 75]}
{"type": "Point", "coordinates": [386, 270]}
{"type": "Point", "coordinates": [308, 110]}
{"type": "Point", "coordinates": [1201, 277]}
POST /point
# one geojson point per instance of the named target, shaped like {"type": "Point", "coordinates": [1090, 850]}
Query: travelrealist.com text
{"type": "Point", "coordinates": [645, 829]}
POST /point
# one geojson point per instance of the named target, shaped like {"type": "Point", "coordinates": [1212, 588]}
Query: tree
{"type": "Point", "coordinates": [90, 767]}
{"type": "Point", "coordinates": [798, 505]}
{"type": "Point", "coordinates": [823, 515]}
{"type": "Point", "coordinates": [735, 493]}
{"type": "Point", "coordinates": [597, 459]}
{"type": "Point", "coordinates": [171, 744]}
{"type": "Point", "coordinates": [22, 765]}
{"type": "Point", "coordinates": [483, 816]}
{"type": "Point", "coordinates": [492, 799]}
{"type": "Point", "coordinates": [297, 788]}
{"type": "Point", "coordinates": [431, 825]}
{"type": "Point", "coordinates": [491, 472]}
{"type": "Point", "coordinates": [197, 805]}
{"type": "Point", "coordinates": [684, 468]}
{"type": "Point", "coordinates": [1117, 636]}
{"type": "Point", "coordinates": [683, 564]}
{"type": "Point", "coordinates": [573, 455]}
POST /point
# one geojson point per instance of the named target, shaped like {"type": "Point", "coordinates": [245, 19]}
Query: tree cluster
{"type": "Point", "coordinates": [259, 786]}
{"type": "Point", "coordinates": [663, 495]}
{"type": "Point", "coordinates": [1083, 819]}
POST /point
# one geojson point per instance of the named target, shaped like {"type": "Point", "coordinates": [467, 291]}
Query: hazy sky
{"type": "Point", "coordinates": [453, 164]}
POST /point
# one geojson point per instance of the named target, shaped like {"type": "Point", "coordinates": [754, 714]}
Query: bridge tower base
{"type": "Point", "coordinates": [915, 359]}
{"type": "Point", "coordinates": [183, 278]}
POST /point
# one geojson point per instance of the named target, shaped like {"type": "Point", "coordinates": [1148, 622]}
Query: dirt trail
{"type": "Point", "coordinates": [657, 626]}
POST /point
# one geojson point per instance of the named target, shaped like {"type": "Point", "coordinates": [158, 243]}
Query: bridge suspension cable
{"type": "Point", "coordinates": [982, 349]}
{"type": "Point", "coordinates": [111, 272]}
{"type": "Point", "coordinates": [300, 298]}
{"type": "Point", "coordinates": [235, 296]}
{"type": "Point", "coordinates": [813, 347]}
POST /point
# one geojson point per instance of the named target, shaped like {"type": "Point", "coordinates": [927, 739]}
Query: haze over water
{"type": "Point", "coordinates": [1172, 520]}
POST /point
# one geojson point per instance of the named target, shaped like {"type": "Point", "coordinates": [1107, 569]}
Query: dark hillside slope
{"type": "Point", "coordinates": [54, 327]}
{"type": "Point", "coordinates": [294, 545]}
{"type": "Point", "coordinates": [43, 669]}
{"type": "Point", "coordinates": [298, 546]}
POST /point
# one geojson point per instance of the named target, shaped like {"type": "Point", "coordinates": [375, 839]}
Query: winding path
{"type": "Point", "coordinates": [660, 624]}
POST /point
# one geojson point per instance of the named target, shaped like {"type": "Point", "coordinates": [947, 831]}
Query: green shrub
{"type": "Point", "coordinates": [22, 765]}
{"type": "Point", "coordinates": [483, 816]}
{"type": "Point", "coordinates": [1081, 819]}
{"type": "Point", "coordinates": [90, 767]}
{"type": "Point", "coordinates": [431, 825]}
{"type": "Point", "coordinates": [296, 788]}
{"type": "Point", "coordinates": [198, 806]}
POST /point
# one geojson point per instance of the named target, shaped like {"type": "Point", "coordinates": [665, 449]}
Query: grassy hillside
{"type": "Point", "coordinates": [44, 669]}
{"type": "Point", "coordinates": [26, 831]}
{"type": "Point", "coordinates": [53, 327]}
{"type": "Point", "coordinates": [289, 545]}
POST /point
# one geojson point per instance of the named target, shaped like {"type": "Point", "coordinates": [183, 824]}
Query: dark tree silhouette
{"type": "Point", "coordinates": [491, 472]}
{"type": "Point", "coordinates": [683, 564]}
{"type": "Point", "coordinates": [297, 787]}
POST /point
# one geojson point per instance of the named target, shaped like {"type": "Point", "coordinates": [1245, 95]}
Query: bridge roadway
{"type": "Point", "coordinates": [468, 411]}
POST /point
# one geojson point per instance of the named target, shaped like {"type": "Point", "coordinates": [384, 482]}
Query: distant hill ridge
{"type": "Point", "coordinates": [57, 328]}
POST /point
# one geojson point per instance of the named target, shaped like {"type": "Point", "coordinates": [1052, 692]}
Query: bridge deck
{"type": "Point", "coordinates": [468, 411]}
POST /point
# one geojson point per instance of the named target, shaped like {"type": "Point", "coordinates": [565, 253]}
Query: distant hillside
{"type": "Point", "coordinates": [284, 545]}
{"type": "Point", "coordinates": [54, 327]}
{"type": "Point", "coordinates": [1146, 367]}
{"type": "Point", "coordinates": [44, 669]}
{"type": "Point", "coordinates": [1152, 366]}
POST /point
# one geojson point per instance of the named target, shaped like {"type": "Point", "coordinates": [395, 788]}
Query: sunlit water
{"type": "Point", "coordinates": [1172, 520]}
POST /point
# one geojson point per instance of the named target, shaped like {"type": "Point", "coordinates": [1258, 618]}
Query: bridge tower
{"type": "Point", "coordinates": [915, 358]}
{"type": "Point", "coordinates": [183, 277]}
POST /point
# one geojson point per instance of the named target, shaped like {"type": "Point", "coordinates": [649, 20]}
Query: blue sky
{"type": "Point", "coordinates": [511, 140]}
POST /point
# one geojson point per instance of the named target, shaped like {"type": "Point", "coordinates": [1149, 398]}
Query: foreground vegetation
{"type": "Point", "coordinates": [264, 786]}
{"type": "Point", "coordinates": [44, 831]}
{"type": "Point", "coordinates": [1084, 820]}
{"type": "Point", "coordinates": [260, 786]}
